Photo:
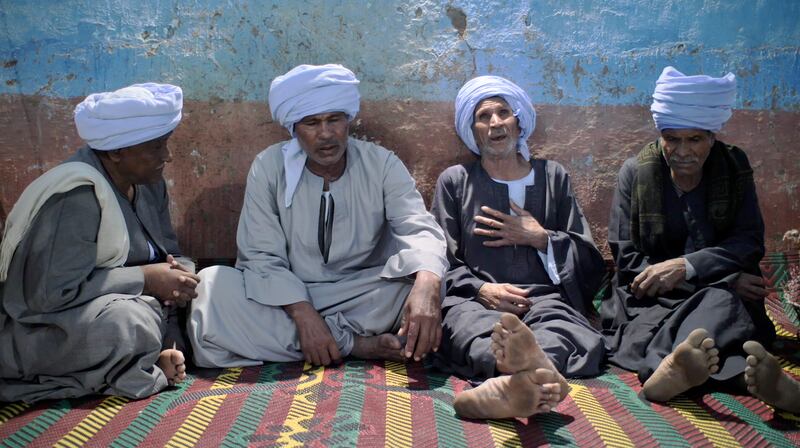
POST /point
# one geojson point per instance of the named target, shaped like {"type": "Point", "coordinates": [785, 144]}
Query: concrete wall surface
{"type": "Point", "coordinates": [589, 67]}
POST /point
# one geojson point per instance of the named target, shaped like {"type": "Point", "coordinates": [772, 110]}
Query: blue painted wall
{"type": "Point", "coordinates": [567, 52]}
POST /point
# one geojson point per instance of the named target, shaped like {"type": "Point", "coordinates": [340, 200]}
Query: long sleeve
{"type": "Point", "coordinates": [460, 280]}
{"type": "Point", "coordinates": [55, 262]}
{"type": "Point", "coordinates": [262, 245]}
{"type": "Point", "coordinates": [580, 265]}
{"type": "Point", "coordinates": [419, 238]}
{"type": "Point", "coordinates": [630, 261]}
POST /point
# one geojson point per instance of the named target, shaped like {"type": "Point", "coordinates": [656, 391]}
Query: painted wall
{"type": "Point", "coordinates": [589, 66]}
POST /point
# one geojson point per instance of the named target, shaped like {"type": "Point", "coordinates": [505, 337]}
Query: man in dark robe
{"type": "Point", "coordinates": [687, 236]}
{"type": "Point", "coordinates": [90, 271]}
{"type": "Point", "coordinates": [523, 265]}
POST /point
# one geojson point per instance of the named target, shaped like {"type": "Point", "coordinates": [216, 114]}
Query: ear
{"type": "Point", "coordinates": [114, 156]}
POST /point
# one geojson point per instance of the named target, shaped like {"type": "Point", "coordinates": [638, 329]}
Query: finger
{"type": "Point", "coordinates": [336, 356]}
{"type": "Point", "coordinates": [495, 213]}
{"type": "Point", "coordinates": [653, 289]}
{"type": "Point", "coordinates": [411, 340]}
{"type": "Point", "coordinates": [187, 282]}
{"type": "Point", "coordinates": [519, 210]}
{"type": "Point", "coordinates": [437, 338]}
{"type": "Point", "coordinates": [488, 222]}
{"type": "Point", "coordinates": [515, 290]}
{"type": "Point", "coordinates": [324, 357]}
{"type": "Point", "coordinates": [518, 301]}
{"type": "Point", "coordinates": [484, 232]}
{"type": "Point", "coordinates": [171, 260]}
{"type": "Point", "coordinates": [507, 307]}
{"type": "Point", "coordinates": [423, 341]}
{"type": "Point", "coordinates": [498, 243]}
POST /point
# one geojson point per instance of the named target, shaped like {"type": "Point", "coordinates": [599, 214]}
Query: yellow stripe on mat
{"type": "Point", "coordinates": [703, 421]}
{"type": "Point", "coordinates": [303, 406]}
{"type": "Point", "coordinates": [398, 406]}
{"type": "Point", "coordinates": [607, 428]}
{"type": "Point", "coordinates": [504, 433]}
{"type": "Point", "coordinates": [204, 411]}
{"type": "Point", "coordinates": [92, 423]}
{"type": "Point", "coordinates": [11, 411]}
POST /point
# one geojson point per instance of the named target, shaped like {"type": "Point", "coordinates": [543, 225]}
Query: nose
{"type": "Point", "coordinates": [167, 157]}
{"type": "Point", "coordinates": [325, 130]}
{"type": "Point", "coordinates": [495, 121]}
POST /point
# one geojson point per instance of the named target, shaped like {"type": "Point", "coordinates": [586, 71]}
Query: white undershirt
{"type": "Point", "coordinates": [516, 193]}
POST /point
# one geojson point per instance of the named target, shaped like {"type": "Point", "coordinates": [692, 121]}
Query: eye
{"type": "Point", "coordinates": [504, 113]}
{"type": "Point", "coordinates": [483, 116]}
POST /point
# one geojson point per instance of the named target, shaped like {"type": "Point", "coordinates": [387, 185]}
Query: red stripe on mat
{"type": "Point", "coordinates": [530, 432]}
{"type": "Point", "coordinates": [373, 415]}
{"type": "Point", "coordinates": [581, 428]}
{"type": "Point", "coordinates": [172, 420]}
{"type": "Point", "coordinates": [279, 404]}
{"type": "Point", "coordinates": [119, 422]}
{"type": "Point", "coordinates": [226, 415]}
{"type": "Point", "coordinates": [327, 401]}
{"type": "Point", "coordinates": [476, 432]}
{"type": "Point", "coordinates": [684, 427]}
{"type": "Point", "coordinates": [423, 419]}
{"type": "Point", "coordinates": [633, 428]}
{"type": "Point", "coordinates": [772, 419]}
{"type": "Point", "coordinates": [744, 434]}
{"type": "Point", "coordinates": [17, 422]}
{"type": "Point", "coordinates": [65, 425]}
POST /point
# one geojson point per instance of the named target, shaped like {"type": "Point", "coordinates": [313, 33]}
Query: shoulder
{"type": "Point", "coordinates": [80, 203]}
{"type": "Point", "coordinates": [268, 163]}
{"type": "Point", "coordinates": [371, 154]}
{"type": "Point", "coordinates": [738, 153]}
{"type": "Point", "coordinates": [455, 173]}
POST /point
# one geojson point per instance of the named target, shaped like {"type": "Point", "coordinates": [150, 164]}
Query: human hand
{"type": "Point", "coordinates": [750, 287]}
{"type": "Point", "coordinates": [169, 284]}
{"type": "Point", "coordinates": [659, 278]}
{"type": "Point", "coordinates": [422, 316]}
{"type": "Point", "coordinates": [511, 230]}
{"type": "Point", "coordinates": [504, 297]}
{"type": "Point", "coordinates": [316, 342]}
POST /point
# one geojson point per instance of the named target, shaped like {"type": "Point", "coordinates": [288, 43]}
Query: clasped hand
{"type": "Point", "coordinates": [504, 297]}
{"type": "Point", "coordinates": [510, 230]}
{"type": "Point", "coordinates": [170, 282]}
{"type": "Point", "coordinates": [422, 316]}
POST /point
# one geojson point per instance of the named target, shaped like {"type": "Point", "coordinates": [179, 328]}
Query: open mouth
{"type": "Point", "coordinates": [328, 148]}
{"type": "Point", "coordinates": [498, 138]}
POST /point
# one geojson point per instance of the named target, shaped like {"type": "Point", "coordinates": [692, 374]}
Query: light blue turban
{"type": "Point", "coordinates": [482, 87]}
{"type": "Point", "coordinates": [309, 90]}
{"type": "Point", "coordinates": [692, 102]}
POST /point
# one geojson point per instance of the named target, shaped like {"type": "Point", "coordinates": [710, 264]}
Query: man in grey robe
{"type": "Point", "coordinates": [686, 232]}
{"type": "Point", "coordinates": [337, 255]}
{"type": "Point", "coordinates": [90, 260]}
{"type": "Point", "coordinates": [518, 244]}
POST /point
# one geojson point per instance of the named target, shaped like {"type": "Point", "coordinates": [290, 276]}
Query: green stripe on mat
{"type": "Point", "coordinates": [449, 430]}
{"type": "Point", "coordinates": [28, 433]}
{"type": "Point", "coordinates": [150, 416]}
{"type": "Point", "coordinates": [659, 428]}
{"type": "Point", "coordinates": [252, 410]}
{"type": "Point", "coordinates": [346, 422]}
{"type": "Point", "coordinates": [751, 418]}
{"type": "Point", "coordinates": [555, 429]}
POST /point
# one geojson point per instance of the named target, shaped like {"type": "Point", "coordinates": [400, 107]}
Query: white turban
{"type": "Point", "coordinates": [309, 90]}
{"type": "Point", "coordinates": [692, 102]}
{"type": "Point", "coordinates": [129, 116]}
{"type": "Point", "coordinates": [482, 87]}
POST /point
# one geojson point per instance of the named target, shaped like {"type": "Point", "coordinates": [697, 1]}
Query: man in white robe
{"type": "Point", "coordinates": [337, 255]}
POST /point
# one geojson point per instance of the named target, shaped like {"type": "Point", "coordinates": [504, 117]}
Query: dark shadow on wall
{"type": "Point", "coordinates": [208, 227]}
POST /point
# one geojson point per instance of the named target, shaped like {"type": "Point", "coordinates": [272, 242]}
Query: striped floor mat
{"type": "Point", "coordinates": [373, 404]}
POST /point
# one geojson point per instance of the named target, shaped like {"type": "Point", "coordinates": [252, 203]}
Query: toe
{"type": "Point", "coordinates": [707, 344]}
{"type": "Point", "coordinates": [511, 323]}
{"type": "Point", "coordinates": [712, 352]}
{"type": "Point", "coordinates": [755, 349]}
{"type": "Point", "coordinates": [698, 337]}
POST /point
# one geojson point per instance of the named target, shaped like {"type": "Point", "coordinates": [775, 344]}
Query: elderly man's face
{"type": "Point", "coordinates": [323, 137]}
{"type": "Point", "coordinates": [144, 163]}
{"type": "Point", "coordinates": [686, 151]}
{"type": "Point", "coordinates": [495, 128]}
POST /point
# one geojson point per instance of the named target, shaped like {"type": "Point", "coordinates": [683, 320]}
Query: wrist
{"type": "Point", "coordinates": [298, 309]}
{"type": "Point", "coordinates": [539, 240]}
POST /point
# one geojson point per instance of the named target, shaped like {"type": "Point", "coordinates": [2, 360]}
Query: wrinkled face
{"type": "Point", "coordinates": [495, 128]}
{"type": "Point", "coordinates": [686, 150]}
{"type": "Point", "coordinates": [144, 163]}
{"type": "Point", "coordinates": [323, 137]}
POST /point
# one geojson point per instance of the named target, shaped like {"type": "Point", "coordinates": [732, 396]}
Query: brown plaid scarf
{"type": "Point", "coordinates": [728, 174]}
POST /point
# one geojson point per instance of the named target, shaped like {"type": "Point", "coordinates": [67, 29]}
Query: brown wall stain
{"type": "Point", "coordinates": [216, 142]}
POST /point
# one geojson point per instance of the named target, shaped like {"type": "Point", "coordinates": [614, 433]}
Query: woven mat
{"type": "Point", "coordinates": [366, 404]}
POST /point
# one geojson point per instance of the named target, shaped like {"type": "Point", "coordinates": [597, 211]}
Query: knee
{"type": "Point", "coordinates": [127, 323]}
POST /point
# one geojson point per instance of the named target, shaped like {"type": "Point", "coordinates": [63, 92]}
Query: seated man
{"type": "Point", "coordinates": [687, 236]}
{"type": "Point", "coordinates": [523, 265]}
{"type": "Point", "coordinates": [337, 255]}
{"type": "Point", "coordinates": [89, 266]}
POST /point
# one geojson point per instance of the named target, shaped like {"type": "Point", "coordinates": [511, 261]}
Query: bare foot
{"type": "Point", "coordinates": [516, 350]}
{"type": "Point", "coordinates": [689, 365]}
{"type": "Point", "coordinates": [383, 346]}
{"type": "Point", "coordinates": [508, 396]}
{"type": "Point", "coordinates": [767, 381]}
{"type": "Point", "coordinates": [172, 363]}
